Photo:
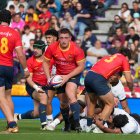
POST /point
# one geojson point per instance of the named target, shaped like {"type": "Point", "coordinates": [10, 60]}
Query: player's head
{"type": "Point", "coordinates": [39, 48]}
{"type": "Point", "coordinates": [126, 52]}
{"type": "Point", "coordinates": [51, 36]}
{"type": "Point", "coordinates": [120, 120]}
{"type": "Point", "coordinates": [5, 16]}
{"type": "Point", "coordinates": [64, 37]}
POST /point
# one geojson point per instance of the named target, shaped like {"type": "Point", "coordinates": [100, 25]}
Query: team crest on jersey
{"type": "Point", "coordinates": [70, 56]}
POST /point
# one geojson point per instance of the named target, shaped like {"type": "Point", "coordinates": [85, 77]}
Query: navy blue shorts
{"type": "Point", "coordinates": [75, 79]}
{"type": "Point", "coordinates": [96, 83]}
{"type": "Point", "coordinates": [6, 76]}
{"type": "Point", "coordinates": [30, 89]}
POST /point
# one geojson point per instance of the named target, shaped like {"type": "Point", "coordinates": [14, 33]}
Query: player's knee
{"type": "Point", "coordinates": [43, 98]}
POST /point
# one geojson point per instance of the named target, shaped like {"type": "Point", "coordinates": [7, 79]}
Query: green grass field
{"type": "Point", "coordinates": [30, 130]}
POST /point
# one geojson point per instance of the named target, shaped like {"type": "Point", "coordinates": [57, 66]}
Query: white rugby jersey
{"type": "Point", "coordinates": [132, 127]}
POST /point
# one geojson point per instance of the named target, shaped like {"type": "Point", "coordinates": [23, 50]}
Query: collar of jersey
{"type": "Point", "coordinates": [64, 49]}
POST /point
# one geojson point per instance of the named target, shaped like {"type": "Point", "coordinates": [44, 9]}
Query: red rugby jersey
{"type": "Point", "coordinates": [36, 68]}
{"type": "Point", "coordinates": [9, 40]}
{"type": "Point", "coordinates": [65, 60]}
{"type": "Point", "coordinates": [110, 65]}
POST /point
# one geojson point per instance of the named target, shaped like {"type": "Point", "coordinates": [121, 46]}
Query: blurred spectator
{"type": "Point", "coordinates": [46, 13]}
{"type": "Point", "coordinates": [54, 23]}
{"type": "Point", "coordinates": [24, 2]}
{"type": "Point", "coordinates": [15, 3]}
{"type": "Point", "coordinates": [131, 38]}
{"type": "Point", "coordinates": [66, 7]}
{"type": "Point", "coordinates": [29, 51]}
{"type": "Point", "coordinates": [116, 47]}
{"type": "Point", "coordinates": [68, 22]}
{"type": "Point", "coordinates": [54, 7]}
{"type": "Point", "coordinates": [17, 22]}
{"type": "Point", "coordinates": [78, 42]}
{"type": "Point", "coordinates": [40, 4]}
{"type": "Point", "coordinates": [32, 3]}
{"type": "Point", "coordinates": [118, 35]}
{"type": "Point", "coordinates": [42, 24]}
{"type": "Point", "coordinates": [135, 8]}
{"type": "Point", "coordinates": [82, 15]}
{"type": "Point", "coordinates": [136, 23]}
{"type": "Point", "coordinates": [95, 53]}
{"type": "Point", "coordinates": [31, 10]}
{"type": "Point", "coordinates": [22, 11]}
{"type": "Point", "coordinates": [12, 9]}
{"type": "Point", "coordinates": [89, 39]}
{"type": "Point", "coordinates": [134, 55]}
{"type": "Point", "coordinates": [31, 23]}
{"type": "Point", "coordinates": [118, 22]}
{"type": "Point", "coordinates": [124, 13]}
{"type": "Point", "coordinates": [27, 37]}
{"type": "Point", "coordinates": [39, 35]}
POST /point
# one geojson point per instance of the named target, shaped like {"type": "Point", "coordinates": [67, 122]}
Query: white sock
{"type": "Point", "coordinates": [50, 117]}
{"type": "Point", "coordinates": [83, 114]}
{"type": "Point", "coordinates": [55, 122]}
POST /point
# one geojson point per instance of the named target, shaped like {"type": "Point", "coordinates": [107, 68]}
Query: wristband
{"type": "Point", "coordinates": [36, 87]}
{"type": "Point", "coordinates": [26, 69]}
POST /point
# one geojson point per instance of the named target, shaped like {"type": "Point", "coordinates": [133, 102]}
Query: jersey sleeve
{"type": "Point", "coordinates": [29, 65]}
{"type": "Point", "coordinates": [48, 53]}
{"type": "Point", "coordinates": [18, 42]}
{"type": "Point", "coordinates": [126, 66]}
{"type": "Point", "coordinates": [80, 55]}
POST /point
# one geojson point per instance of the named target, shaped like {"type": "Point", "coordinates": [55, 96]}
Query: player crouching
{"type": "Point", "coordinates": [36, 85]}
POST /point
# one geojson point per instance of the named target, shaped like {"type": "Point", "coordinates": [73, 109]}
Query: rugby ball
{"type": "Point", "coordinates": [56, 81]}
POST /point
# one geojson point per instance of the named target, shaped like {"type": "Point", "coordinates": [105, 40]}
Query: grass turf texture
{"type": "Point", "coordinates": [30, 130]}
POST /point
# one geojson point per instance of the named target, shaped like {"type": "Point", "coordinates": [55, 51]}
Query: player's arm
{"type": "Point", "coordinates": [22, 60]}
{"type": "Point", "coordinates": [46, 67]}
{"type": "Point", "coordinates": [34, 85]}
{"type": "Point", "coordinates": [106, 129]}
{"type": "Point", "coordinates": [124, 105]}
{"type": "Point", "coordinates": [129, 81]}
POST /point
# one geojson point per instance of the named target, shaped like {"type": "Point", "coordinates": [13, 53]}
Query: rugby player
{"type": "Point", "coordinates": [9, 40]}
{"type": "Point", "coordinates": [69, 60]}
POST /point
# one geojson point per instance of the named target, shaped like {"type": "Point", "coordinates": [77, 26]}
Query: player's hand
{"type": "Point", "coordinates": [65, 79]}
{"type": "Point", "coordinates": [26, 74]}
{"type": "Point", "coordinates": [40, 90]}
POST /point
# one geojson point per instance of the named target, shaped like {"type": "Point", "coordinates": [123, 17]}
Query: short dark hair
{"type": "Point", "coordinates": [65, 31]}
{"type": "Point", "coordinates": [30, 15]}
{"type": "Point", "coordinates": [88, 29]}
{"type": "Point", "coordinates": [5, 16]}
{"type": "Point", "coordinates": [52, 32]}
{"type": "Point", "coordinates": [120, 120]}
{"type": "Point", "coordinates": [11, 7]}
{"type": "Point", "coordinates": [21, 5]}
{"type": "Point", "coordinates": [26, 27]}
{"type": "Point", "coordinates": [40, 45]}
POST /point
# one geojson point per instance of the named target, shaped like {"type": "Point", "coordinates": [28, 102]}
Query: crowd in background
{"type": "Point", "coordinates": [32, 18]}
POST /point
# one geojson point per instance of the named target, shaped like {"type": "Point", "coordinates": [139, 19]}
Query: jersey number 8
{"type": "Point", "coordinates": [4, 45]}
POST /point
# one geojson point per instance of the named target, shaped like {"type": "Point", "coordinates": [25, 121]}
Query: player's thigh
{"type": "Point", "coordinates": [107, 98]}
{"type": "Point", "coordinates": [6, 77]}
{"type": "Point", "coordinates": [51, 94]}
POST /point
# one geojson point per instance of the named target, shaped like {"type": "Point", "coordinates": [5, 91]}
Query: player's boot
{"type": "Point", "coordinates": [10, 130]}
{"type": "Point", "coordinates": [50, 126]}
{"type": "Point", "coordinates": [89, 128]}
